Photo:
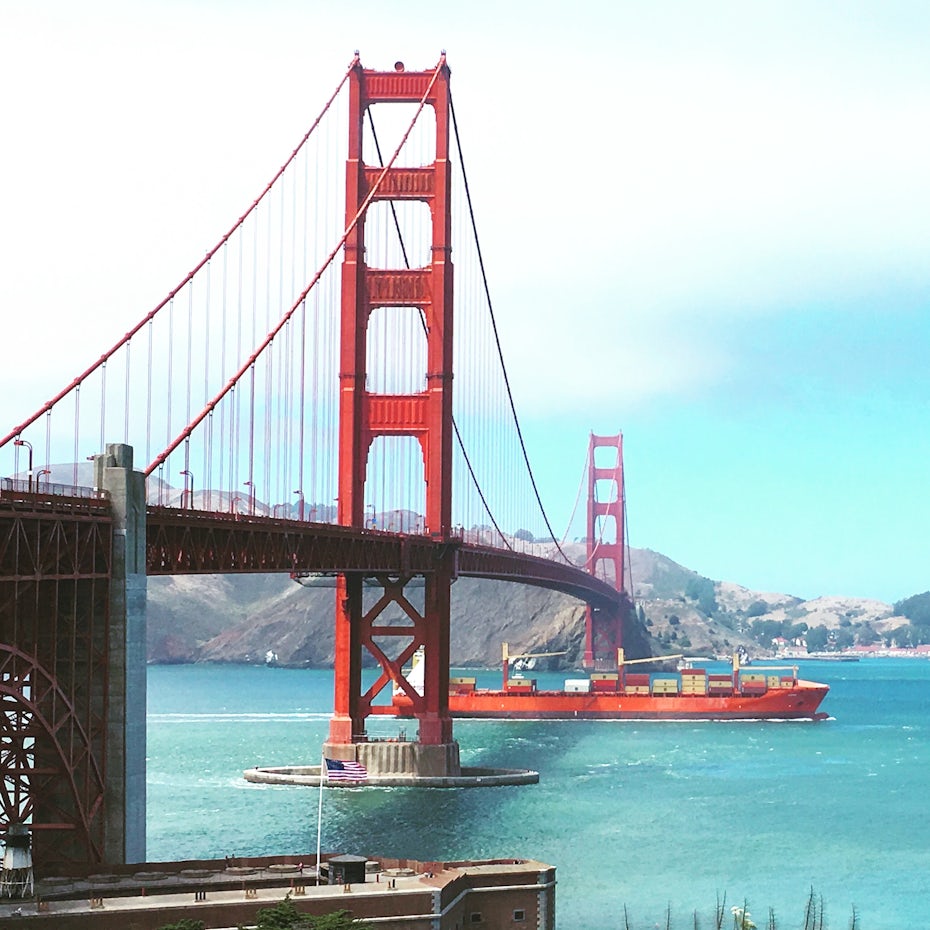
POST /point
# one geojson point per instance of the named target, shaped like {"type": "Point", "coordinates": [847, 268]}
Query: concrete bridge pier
{"type": "Point", "coordinates": [398, 758]}
{"type": "Point", "coordinates": [124, 829]}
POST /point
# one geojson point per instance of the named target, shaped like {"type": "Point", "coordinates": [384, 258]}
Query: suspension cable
{"type": "Point", "coordinates": [484, 279]}
{"type": "Point", "coordinates": [571, 519]}
{"type": "Point", "coordinates": [474, 478]}
{"type": "Point", "coordinates": [190, 275]}
{"type": "Point", "coordinates": [422, 316]}
{"type": "Point", "coordinates": [269, 338]}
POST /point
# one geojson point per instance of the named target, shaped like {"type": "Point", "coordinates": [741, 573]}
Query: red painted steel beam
{"type": "Point", "coordinates": [183, 542]}
{"type": "Point", "coordinates": [425, 415]}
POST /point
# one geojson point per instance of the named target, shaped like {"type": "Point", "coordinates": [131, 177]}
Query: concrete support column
{"type": "Point", "coordinates": [125, 758]}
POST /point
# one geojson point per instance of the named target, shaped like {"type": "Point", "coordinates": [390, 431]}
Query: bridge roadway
{"type": "Point", "coordinates": [180, 542]}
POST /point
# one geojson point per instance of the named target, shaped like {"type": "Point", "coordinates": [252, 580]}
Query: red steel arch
{"type": "Point", "coordinates": [53, 779]}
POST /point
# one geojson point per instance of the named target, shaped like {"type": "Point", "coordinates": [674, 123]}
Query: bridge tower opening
{"type": "Point", "coordinates": [606, 549]}
{"type": "Point", "coordinates": [424, 415]}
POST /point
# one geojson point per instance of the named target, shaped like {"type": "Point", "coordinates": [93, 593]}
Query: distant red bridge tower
{"type": "Point", "coordinates": [606, 549]}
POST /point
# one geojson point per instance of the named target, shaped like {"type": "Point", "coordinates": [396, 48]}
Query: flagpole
{"type": "Point", "coordinates": [319, 816]}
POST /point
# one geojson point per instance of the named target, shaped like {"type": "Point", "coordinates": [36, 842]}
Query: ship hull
{"type": "Point", "coordinates": [800, 702]}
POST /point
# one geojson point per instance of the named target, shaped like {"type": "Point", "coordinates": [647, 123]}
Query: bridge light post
{"type": "Point", "coordinates": [28, 445]}
{"type": "Point", "coordinates": [274, 510]}
{"type": "Point", "coordinates": [189, 495]}
{"type": "Point", "coordinates": [372, 520]}
{"type": "Point", "coordinates": [300, 504]}
{"type": "Point", "coordinates": [251, 486]}
{"type": "Point", "coordinates": [47, 472]}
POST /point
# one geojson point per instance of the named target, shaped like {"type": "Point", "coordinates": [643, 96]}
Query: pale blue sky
{"type": "Point", "coordinates": [706, 224]}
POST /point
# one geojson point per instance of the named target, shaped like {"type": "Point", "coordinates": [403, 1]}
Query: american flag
{"type": "Point", "coordinates": [339, 770]}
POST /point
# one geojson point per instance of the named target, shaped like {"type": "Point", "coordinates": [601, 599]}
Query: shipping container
{"type": "Point", "coordinates": [665, 686]}
{"type": "Point", "coordinates": [698, 686]}
{"type": "Point", "coordinates": [577, 685]}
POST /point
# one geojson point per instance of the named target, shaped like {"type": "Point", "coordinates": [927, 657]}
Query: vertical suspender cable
{"type": "Point", "coordinates": [48, 442]}
{"type": "Point", "coordinates": [225, 412]}
{"type": "Point", "coordinates": [251, 462]}
{"type": "Point", "coordinates": [77, 430]}
{"type": "Point", "coordinates": [148, 397]}
{"type": "Point", "coordinates": [190, 351]}
{"type": "Point", "coordinates": [126, 398]}
{"type": "Point", "coordinates": [207, 489]}
{"type": "Point", "coordinates": [301, 484]}
{"type": "Point", "coordinates": [207, 480]}
{"type": "Point", "coordinates": [234, 473]}
{"type": "Point", "coordinates": [103, 405]}
{"type": "Point", "coordinates": [170, 378]}
{"type": "Point", "coordinates": [269, 360]}
{"type": "Point", "coordinates": [302, 408]}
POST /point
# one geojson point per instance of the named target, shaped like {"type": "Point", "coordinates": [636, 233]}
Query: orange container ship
{"type": "Point", "coordinates": [755, 693]}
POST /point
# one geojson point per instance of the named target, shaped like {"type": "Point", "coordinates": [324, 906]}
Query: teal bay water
{"type": "Point", "coordinates": [651, 815]}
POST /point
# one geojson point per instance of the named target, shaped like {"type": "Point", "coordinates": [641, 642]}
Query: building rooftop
{"type": "Point", "coordinates": [228, 893]}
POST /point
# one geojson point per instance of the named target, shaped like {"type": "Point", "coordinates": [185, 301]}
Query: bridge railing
{"type": "Point", "coordinates": [17, 487]}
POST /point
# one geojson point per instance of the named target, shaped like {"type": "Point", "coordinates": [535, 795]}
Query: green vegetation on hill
{"type": "Point", "coordinates": [916, 609]}
{"type": "Point", "coordinates": [703, 592]}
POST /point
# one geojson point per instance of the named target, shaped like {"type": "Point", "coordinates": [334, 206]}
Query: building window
{"type": "Point", "coordinates": [475, 917]}
{"type": "Point", "coordinates": [519, 915]}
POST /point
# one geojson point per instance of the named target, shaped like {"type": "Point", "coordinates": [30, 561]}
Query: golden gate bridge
{"type": "Point", "coordinates": [292, 401]}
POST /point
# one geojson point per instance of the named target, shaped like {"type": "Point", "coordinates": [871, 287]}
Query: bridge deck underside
{"type": "Point", "coordinates": [191, 542]}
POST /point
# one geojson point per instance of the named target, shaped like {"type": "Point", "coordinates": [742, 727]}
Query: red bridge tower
{"type": "Point", "coordinates": [426, 415]}
{"type": "Point", "coordinates": [606, 545]}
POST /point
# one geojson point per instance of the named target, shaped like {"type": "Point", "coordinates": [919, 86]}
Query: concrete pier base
{"type": "Point", "coordinates": [396, 763]}
{"type": "Point", "coordinates": [399, 763]}
{"type": "Point", "coordinates": [400, 757]}
{"type": "Point", "coordinates": [474, 777]}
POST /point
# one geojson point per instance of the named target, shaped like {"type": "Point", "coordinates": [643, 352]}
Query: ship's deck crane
{"type": "Point", "coordinates": [621, 662]}
{"type": "Point", "coordinates": [508, 658]}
